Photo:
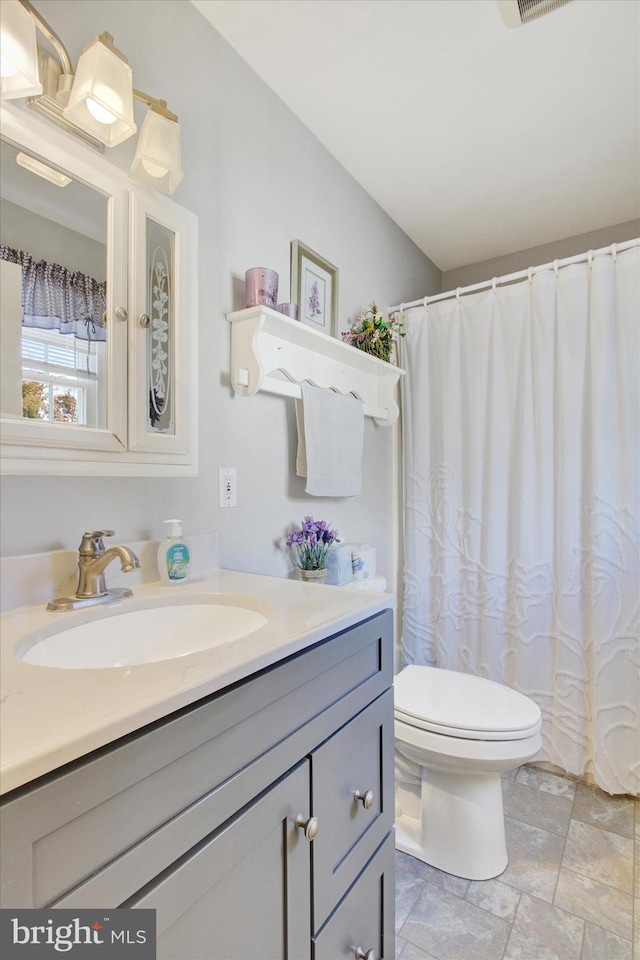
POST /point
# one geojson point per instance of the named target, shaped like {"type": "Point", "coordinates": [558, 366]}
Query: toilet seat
{"type": "Point", "coordinates": [461, 705]}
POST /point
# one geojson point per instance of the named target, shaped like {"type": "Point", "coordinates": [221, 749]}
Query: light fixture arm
{"type": "Point", "coordinates": [158, 106]}
{"type": "Point", "coordinates": [51, 36]}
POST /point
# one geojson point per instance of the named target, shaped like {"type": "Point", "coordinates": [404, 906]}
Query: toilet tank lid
{"type": "Point", "coordinates": [462, 701]}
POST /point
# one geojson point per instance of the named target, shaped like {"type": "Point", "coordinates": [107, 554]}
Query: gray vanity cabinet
{"type": "Point", "coordinates": [208, 816]}
{"type": "Point", "coordinates": [246, 885]}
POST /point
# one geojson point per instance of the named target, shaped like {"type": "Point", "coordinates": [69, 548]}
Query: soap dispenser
{"type": "Point", "coordinates": [174, 555]}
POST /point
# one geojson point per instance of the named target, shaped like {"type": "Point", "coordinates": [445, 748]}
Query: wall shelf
{"type": "Point", "coordinates": [274, 354]}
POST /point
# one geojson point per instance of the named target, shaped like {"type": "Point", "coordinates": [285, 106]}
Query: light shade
{"type": "Point", "coordinates": [18, 53]}
{"type": "Point", "coordinates": [158, 160]}
{"type": "Point", "coordinates": [101, 101]}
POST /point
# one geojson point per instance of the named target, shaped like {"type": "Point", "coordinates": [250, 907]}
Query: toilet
{"type": "Point", "coordinates": [455, 734]}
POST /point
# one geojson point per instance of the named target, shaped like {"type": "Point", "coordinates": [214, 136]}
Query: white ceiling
{"type": "Point", "coordinates": [476, 139]}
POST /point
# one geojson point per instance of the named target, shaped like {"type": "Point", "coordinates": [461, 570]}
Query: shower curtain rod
{"type": "Point", "coordinates": [612, 249]}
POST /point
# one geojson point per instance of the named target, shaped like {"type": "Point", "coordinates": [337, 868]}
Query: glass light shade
{"type": "Point", "coordinates": [18, 53]}
{"type": "Point", "coordinates": [158, 159]}
{"type": "Point", "coordinates": [101, 101]}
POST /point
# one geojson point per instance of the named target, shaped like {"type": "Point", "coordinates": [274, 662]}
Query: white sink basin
{"type": "Point", "coordinates": [143, 636]}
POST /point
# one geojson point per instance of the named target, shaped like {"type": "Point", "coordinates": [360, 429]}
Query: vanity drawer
{"type": "Point", "coordinates": [365, 919]}
{"type": "Point", "coordinates": [96, 831]}
{"type": "Point", "coordinates": [356, 760]}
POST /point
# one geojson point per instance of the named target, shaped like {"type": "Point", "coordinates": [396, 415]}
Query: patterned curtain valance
{"type": "Point", "coordinates": [56, 298]}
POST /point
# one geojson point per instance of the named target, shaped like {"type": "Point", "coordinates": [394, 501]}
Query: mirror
{"type": "Point", "coordinates": [99, 367]}
{"type": "Point", "coordinates": [53, 270]}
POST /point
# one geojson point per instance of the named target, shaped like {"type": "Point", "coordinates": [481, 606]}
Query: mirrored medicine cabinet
{"type": "Point", "coordinates": [98, 313]}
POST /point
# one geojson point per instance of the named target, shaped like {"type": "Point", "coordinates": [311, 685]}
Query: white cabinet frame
{"type": "Point", "coordinates": [126, 447]}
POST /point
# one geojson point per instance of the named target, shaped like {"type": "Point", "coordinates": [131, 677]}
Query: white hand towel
{"type": "Point", "coordinates": [330, 439]}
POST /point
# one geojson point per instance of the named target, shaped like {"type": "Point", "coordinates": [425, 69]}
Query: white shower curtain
{"type": "Point", "coordinates": [521, 463]}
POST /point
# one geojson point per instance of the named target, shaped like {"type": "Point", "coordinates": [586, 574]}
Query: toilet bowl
{"type": "Point", "coordinates": [455, 734]}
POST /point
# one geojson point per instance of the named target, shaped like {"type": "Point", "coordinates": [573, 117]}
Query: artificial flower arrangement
{"type": "Point", "coordinates": [373, 334]}
{"type": "Point", "coordinates": [311, 543]}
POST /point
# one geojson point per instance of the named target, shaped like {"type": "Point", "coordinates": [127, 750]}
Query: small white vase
{"type": "Point", "coordinates": [313, 576]}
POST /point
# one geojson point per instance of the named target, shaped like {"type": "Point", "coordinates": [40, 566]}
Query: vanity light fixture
{"type": "Point", "coordinates": [19, 57]}
{"type": "Point", "coordinates": [157, 160]}
{"type": "Point", "coordinates": [96, 103]}
{"type": "Point", "coordinates": [42, 170]}
{"type": "Point", "coordinates": [101, 101]}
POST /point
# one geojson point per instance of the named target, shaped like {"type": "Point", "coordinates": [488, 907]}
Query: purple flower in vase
{"type": "Point", "coordinates": [311, 543]}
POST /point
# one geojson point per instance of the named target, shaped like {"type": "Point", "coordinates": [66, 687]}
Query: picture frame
{"type": "Point", "coordinates": [314, 287]}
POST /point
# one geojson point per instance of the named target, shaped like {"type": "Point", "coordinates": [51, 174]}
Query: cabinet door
{"type": "Point", "coordinates": [163, 395]}
{"type": "Point", "coordinates": [364, 921]}
{"type": "Point", "coordinates": [244, 893]}
{"type": "Point", "coordinates": [357, 760]}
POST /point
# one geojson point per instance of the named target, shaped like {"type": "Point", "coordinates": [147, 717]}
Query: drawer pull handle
{"type": "Point", "coordinates": [121, 313]}
{"type": "Point", "coordinates": [367, 802]}
{"type": "Point", "coordinates": [310, 826]}
{"type": "Point", "coordinates": [368, 955]}
{"type": "Point", "coordinates": [144, 319]}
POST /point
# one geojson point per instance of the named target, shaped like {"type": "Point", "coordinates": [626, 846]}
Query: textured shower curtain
{"type": "Point", "coordinates": [521, 463]}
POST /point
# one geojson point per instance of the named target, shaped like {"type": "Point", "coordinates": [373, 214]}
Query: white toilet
{"type": "Point", "coordinates": [454, 735]}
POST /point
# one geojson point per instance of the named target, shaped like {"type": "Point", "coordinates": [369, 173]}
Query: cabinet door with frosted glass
{"type": "Point", "coordinates": [163, 399]}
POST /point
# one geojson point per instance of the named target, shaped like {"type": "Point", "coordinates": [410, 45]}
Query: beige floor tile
{"type": "Point", "coordinates": [411, 952]}
{"type": "Point", "coordinates": [599, 944]}
{"type": "Point", "coordinates": [534, 859]}
{"type": "Point", "coordinates": [600, 855]}
{"type": "Point", "coordinates": [451, 929]}
{"type": "Point", "coordinates": [549, 782]}
{"type": "Point", "coordinates": [425, 871]}
{"type": "Point", "coordinates": [597, 808]}
{"type": "Point", "coordinates": [498, 898]}
{"type": "Point", "coordinates": [409, 886]}
{"type": "Point", "coordinates": [537, 807]}
{"type": "Point", "coordinates": [600, 904]}
{"type": "Point", "coordinates": [543, 932]}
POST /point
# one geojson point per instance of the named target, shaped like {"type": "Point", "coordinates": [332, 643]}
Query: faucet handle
{"type": "Point", "coordinates": [92, 545]}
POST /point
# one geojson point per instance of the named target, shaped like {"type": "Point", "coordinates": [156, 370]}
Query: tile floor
{"type": "Point", "coordinates": [567, 894]}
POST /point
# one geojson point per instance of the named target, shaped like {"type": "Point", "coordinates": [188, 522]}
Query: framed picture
{"type": "Point", "coordinates": [314, 287]}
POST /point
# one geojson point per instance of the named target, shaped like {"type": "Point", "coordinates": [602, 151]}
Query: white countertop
{"type": "Point", "coordinates": [49, 716]}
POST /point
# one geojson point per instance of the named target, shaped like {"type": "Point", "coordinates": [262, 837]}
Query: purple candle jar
{"type": "Point", "coordinates": [289, 310]}
{"type": "Point", "coordinates": [261, 287]}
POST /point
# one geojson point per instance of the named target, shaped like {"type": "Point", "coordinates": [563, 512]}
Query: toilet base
{"type": "Point", "coordinates": [453, 822]}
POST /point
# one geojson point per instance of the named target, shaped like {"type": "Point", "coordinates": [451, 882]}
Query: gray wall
{"type": "Point", "coordinates": [535, 256]}
{"type": "Point", "coordinates": [257, 178]}
{"type": "Point", "coordinates": [46, 240]}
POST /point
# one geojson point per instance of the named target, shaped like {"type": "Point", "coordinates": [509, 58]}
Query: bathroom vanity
{"type": "Point", "coordinates": [257, 820]}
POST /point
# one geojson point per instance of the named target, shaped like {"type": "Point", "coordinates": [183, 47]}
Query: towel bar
{"type": "Point", "coordinates": [284, 388]}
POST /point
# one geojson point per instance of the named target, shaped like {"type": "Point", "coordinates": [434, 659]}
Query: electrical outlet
{"type": "Point", "coordinates": [227, 492]}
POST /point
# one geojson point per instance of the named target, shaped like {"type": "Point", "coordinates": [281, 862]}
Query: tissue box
{"type": "Point", "coordinates": [339, 567]}
{"type": "Point", "coordinates": [363, 561]}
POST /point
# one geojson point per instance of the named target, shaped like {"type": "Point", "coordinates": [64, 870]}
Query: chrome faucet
{"type": "Point", "coordinates": [93, 560]}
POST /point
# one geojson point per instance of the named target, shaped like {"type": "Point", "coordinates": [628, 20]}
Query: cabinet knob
{"type": "Point", "coordinates": [365, 955]}
{"type": "Point", "coordinates": [122, 313]}
{"type": "Point", "coordinates": [144, 319]}
{"type": "Point", "coordinates": [310, 826]}
{"type": "Point", "coordinates": [367, 802]}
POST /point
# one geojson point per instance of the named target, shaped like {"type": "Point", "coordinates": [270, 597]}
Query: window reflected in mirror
{"type": "Point", "coordinates": [53, 320]}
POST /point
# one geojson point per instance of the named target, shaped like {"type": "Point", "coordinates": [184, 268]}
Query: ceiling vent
{"type": "Point", "coordinates": [515, 13]}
